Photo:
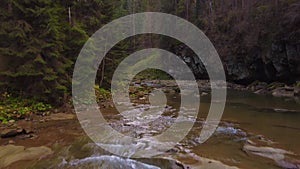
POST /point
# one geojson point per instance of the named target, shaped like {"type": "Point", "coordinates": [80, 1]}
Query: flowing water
{"type": "Point", "coordinates": [248, 119]}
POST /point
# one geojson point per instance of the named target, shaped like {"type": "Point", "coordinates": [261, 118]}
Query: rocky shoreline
{"type": "Point", "coordinates": [275, 89]}
{"type": "Point", "coordinates": [34, 138]}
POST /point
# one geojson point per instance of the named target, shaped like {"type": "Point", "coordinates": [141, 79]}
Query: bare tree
{"type": "Point", "coordinates": [70, 16]}
{"type": "Point", "coordinates": [187, 3]}
{"type": "Point", "coordinates": [197, 8]}
{"type": "Point", "coordinates": [210, 6]}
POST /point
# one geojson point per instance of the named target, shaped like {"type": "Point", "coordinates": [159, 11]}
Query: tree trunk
{"type": "Point", "coordinates": [102, 73]}
{"type": "Point", "coordinates": [187, 3]}
{"type": "Point", "coordinates": [70, 16]}
{"type": "Point", "coordinates": [197, 8]}
{"type": "Point", "coordinates": [210, 7]}
{"type": "Point", "coordinates": [9, 7]}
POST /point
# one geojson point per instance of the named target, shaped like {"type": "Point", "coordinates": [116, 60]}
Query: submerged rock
{"type": "Point", "coordinates": [268, 152]}
{"type": "Point", "coordinates": [230, 131]}
{"type": "Point", "coordinates": [10, 154]}
{"type": "Point", "coordinates": [193, 161]}
{"type": "Point", "coordinates": [280, 156]}
{"type": "Point", "coordinates": [62, 116]}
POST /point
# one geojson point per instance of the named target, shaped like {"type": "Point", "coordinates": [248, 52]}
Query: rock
{"type": "Point", "coordinates": [289, 164]}
{"type": "Point", "coordinates": [280, 156]}
{"type": "Point", "coordinates": [62, 116]}
{"type": "Point", "coordinates": [11, 142]}
{"type": "Point", "coordinates": [251, 142]}
{"type": "Point", "coordinates": [42, 120]}
{"type": "Point", "coordinates": [194, 161]}
{"type": "Point", "coordinates": [9, 133]}
{"type": "Point", "coordinates": [275, 85]}
{"type": "Point", "coordinates": [32, 136]}
{"type": "Point", "coordinates": [267, 152]}
{"type": "Point", "coordinates": [11, 121]}
{"type": "Point", "coordinates": [138, 81]}
{"type": "Point", "coordinates": [28, 130]}
{"type": "Point", "coordinates": [297, 91]}
{"type": "Point", "coordinates": [261, 91]}
{"type": "Point", "coordinates": [11, 153]}
{"type": "Point", "coordinates": [21, 131]}
{"type": "Point", "coordinates": [289, 89]}
{"type": "Point", "coordinates": [283, 92]}
{"type": "Point", "coordinates": [142, 98]}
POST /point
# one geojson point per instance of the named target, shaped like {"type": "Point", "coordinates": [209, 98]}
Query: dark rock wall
{"type": "Point", "coordinates": [264, 48]}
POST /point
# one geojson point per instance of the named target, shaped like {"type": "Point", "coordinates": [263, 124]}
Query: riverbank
{"type": "Point", "coordinates": [275, 89]}
{"type": "Point", "coordinates": [58, 141]}
{"type": "Point", "coordinates": [30, 144]}
{"type": "Point", "coordinates": [239, 142]}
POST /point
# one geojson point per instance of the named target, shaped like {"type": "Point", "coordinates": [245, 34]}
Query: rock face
{"type": "Point", "coordinates": [269, 52]}
{"type": "Point", "coordinates": [281, 64]}
{"type": "Point", "coordinates": [10, 154]}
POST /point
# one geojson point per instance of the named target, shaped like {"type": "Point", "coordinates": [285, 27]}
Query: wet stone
{"type": "Point", "coordinates": [9, 133]}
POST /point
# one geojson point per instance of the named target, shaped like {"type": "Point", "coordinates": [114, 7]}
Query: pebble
{"type": "Point", "coordinates": [11, 142]}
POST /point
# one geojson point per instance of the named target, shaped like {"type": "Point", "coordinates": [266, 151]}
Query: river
{"type": "Point", "coordinates": [249, 122]}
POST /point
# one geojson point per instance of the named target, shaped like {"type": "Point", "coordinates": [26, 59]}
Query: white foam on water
{"type": "Point", "coordinates": [106, 161]}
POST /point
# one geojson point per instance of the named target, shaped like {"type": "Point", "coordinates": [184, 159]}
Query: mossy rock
{"type": "Point", "coordinates": [297, 84]}
{"type": "Point", "coordinates": [275, 85]}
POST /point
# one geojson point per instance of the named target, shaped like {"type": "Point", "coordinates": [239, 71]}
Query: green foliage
{"type": "Point", "coordinates": [153, 74]}
{"type": "Point", "coordinates": [12, 108]}
{"type": "Point", "coordinates": [102, 94]}
{"type": "Point", "coordinates": [40, 107]}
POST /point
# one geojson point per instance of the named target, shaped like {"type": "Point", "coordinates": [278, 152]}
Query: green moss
{"type": "Point", "coordinates": [275, 85]}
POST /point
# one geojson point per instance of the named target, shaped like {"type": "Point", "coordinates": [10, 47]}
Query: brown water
{"type": "Point", "coordinates": [266, 120]}
{"type": "Point", "coordinates": [276, 119]}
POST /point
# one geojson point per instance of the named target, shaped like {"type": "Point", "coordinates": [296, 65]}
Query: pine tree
{"type": "Point", "coordinates": [34, 35]}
